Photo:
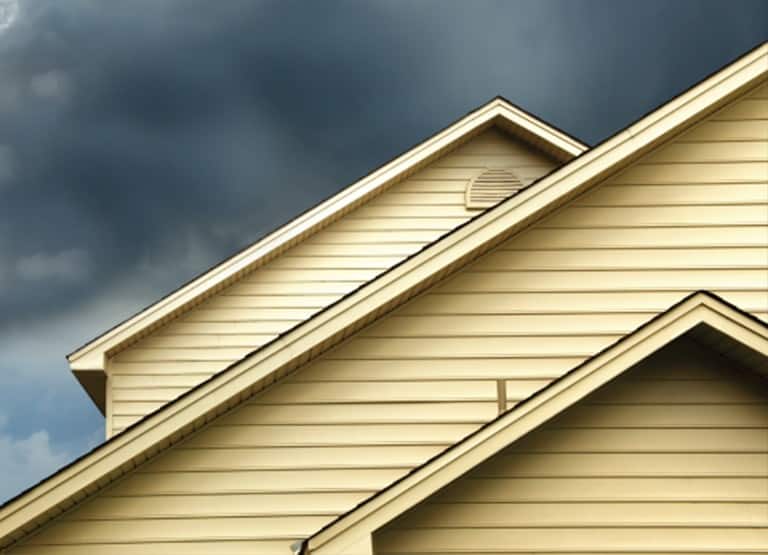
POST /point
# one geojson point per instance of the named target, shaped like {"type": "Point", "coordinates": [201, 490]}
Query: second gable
{"type": "Point", "coordinates": [308, 277]}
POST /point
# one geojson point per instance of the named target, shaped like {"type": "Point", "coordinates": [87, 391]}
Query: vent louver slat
{"type": "Point", "coordinates": [491, 187]}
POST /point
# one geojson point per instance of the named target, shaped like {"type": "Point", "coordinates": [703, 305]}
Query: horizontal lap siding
{"type": "Point", "coordinates": [416, 382]}
{"type": "Point", "coordinates": [614, 473]}
{"type": "Point", "coordinates": [277, 468]}
{"type": "Point", "coordinates": [307, 278]}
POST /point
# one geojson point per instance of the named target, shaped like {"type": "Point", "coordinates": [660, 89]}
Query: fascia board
{"type": "Point", "coordinates": [569, 146]}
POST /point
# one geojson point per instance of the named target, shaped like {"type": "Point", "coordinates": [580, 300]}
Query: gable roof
{"type": "Point", "coordinates": [708, 318]}
{"type": "Point", "coordinates": [88, 361]}
{"type": "Point", "coordinates": [269, 363]}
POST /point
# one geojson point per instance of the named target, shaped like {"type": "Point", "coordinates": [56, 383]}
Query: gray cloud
{"type": "Point", "coordinates": [7, 165]}
{"type": "Point", "coordinates": [142, 141]}
{"type": "Point", "coordinates": [28, 459]}
{"type": "Point", "coordinates": [69, 265]}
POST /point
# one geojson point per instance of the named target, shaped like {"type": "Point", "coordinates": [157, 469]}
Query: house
{"type": "Point", "coordinates": [502, 341]}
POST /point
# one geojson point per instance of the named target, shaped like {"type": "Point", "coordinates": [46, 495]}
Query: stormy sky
{"type": "Point", "coordinates": [142, 141]}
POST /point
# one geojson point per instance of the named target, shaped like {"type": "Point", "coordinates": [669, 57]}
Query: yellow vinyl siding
{"type": "Point", "coordinates": [307, 278]}
{"type": "Point", "coordinates": [421, 378]}
{"type": "Point", "coordinates": [672, 456]}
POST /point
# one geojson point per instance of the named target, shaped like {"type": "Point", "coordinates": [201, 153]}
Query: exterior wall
{"type": "Point", "coordinates": [399, 392]}
{"type": "Point", "coordinates": [670, 457]}
{"type": "Point", "coordinates": [307, 278]}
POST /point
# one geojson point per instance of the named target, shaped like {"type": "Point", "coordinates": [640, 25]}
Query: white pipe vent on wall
{"type": "Point", "coordinates": [491, 187]}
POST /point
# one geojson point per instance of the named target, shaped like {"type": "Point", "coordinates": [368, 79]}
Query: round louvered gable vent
{"type": "Point", "coordinates": [491, 187]}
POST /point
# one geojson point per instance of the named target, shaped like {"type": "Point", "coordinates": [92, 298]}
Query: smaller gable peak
{"type": "Point", "coordinates": [703, 316]}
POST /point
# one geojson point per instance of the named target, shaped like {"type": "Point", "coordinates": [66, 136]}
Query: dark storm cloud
{"type": "Point", "coordinates": [142, 141]}
{"type": "Point", "coordinates": [143, 121]}
{"type": "Point", "coordinates": [135, 122]}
